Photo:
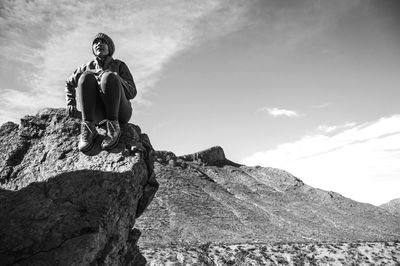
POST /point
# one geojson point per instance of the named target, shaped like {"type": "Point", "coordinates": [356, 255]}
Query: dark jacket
{"type": "Point", "coordinates": [98, 69]}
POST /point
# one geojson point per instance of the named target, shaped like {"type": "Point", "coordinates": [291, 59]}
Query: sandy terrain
{"type": "Point", "coordinates": [355, 253]}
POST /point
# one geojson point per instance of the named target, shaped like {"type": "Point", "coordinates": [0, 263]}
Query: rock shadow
{"type": "Point", "coordinates": [70, 217]}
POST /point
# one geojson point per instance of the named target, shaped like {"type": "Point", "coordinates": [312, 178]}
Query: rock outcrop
{"type": "Point", "coordinates": [62, 207]}
{"type": "Point", "coordinates": [206, 198]}
{"type": "Point", "coordinates": [214, 156]}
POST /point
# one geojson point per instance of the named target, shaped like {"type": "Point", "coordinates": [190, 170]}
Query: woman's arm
{"type": "Point", "coordinates": [71, 83]}
{"type": "Point", "coordinates": [127, 81]}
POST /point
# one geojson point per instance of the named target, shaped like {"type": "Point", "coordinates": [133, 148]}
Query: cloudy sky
{"type": "Point", "coordinates": [309, 86]}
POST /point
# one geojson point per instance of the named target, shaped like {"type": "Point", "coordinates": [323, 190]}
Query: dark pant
{"type": "Point", "coordinates": [107, 101]}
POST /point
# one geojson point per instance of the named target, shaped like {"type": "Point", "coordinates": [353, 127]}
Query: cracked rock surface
{"type": "Point", "coordinates": [62, 207]}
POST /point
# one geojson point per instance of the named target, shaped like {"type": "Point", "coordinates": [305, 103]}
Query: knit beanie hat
{"type": "Point", "coordinates": [108, 40]}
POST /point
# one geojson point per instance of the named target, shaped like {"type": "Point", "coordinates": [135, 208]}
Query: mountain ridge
{"type": "Point", "coordinates": [216, 200]}
{"type": "Point", "coordinates": [392, 206]}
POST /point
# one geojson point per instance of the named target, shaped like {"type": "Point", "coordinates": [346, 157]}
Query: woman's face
{"type": "Point", "coordinates": [100, 48]}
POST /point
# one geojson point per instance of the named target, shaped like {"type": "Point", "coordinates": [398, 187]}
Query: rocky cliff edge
{"type": "Point", "coordinates": [62, 207]}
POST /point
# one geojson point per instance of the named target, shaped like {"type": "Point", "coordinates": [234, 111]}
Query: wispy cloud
{"type": "Point", "coordinates": [275, 112]}
{"type": "Point", "coordinates": [16, 102]}
{"type": "Point", "coordinates": [358, 161]}
{"type": "Point", "coordinates": [333, 128]}
{"type": "Point", "coordinates": [45, 42]}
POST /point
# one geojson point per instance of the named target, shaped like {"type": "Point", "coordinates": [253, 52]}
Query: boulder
{"type": "Point", "coordinates": [63, 207]}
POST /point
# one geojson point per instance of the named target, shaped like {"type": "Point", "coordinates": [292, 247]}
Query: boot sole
{"type": "Point", "coordinates": [88, 148]}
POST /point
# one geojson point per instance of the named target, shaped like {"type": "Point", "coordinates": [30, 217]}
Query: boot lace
{"type": "Point", "coordinates": [85, 130]}
{"type": "Point", "coordinates": [111, 128]}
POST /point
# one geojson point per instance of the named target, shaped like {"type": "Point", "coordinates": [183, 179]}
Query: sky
{"type": "Point", "coordinates": [308, 86]}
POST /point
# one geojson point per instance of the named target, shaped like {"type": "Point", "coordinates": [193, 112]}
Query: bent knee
{"type": "Point", "coordinates": [109, 76]}
{"type": "Point", "coordinates": [87, 77]}
{"type": "Point", "coordinates": [110, 80]}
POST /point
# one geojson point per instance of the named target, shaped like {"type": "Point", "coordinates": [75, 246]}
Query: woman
{"type": "Point", "coordinates": [104, 87]}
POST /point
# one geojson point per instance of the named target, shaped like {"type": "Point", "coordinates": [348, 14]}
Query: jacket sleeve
{"type": "Point", "coordinates": [71, 83]}
{"type": "Point", "coordinates": [127, 81]}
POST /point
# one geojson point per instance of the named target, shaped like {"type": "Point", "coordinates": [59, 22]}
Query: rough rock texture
{"type": "Point", "coordinates": [206, 198]}
{"type": "Point", "coordinates": [211, 156]}
{"type": "Point", "coordinates": [392, 206]}
{"type": "Point", "coordinates": [62, 207]}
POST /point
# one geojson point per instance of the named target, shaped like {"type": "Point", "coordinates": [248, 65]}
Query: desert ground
{"type": "Point", "coordinates": [354, 253]}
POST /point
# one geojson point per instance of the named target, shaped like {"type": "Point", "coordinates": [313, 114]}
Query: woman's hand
{"type": "Point", "coordinates": [72, 111]}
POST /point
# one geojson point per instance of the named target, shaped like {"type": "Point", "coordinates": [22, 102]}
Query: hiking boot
{"type": "Point", "coordinates": [112, 135]}
{"type": "Point", "coordinates": [88, 134]}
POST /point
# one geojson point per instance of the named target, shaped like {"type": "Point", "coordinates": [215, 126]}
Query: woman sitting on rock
{"type": "Point", "coordinates": [104, 87]}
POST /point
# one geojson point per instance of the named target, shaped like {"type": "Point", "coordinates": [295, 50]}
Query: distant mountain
{"type": "Point", "coordinates": [392, 206]}
{"type": "Point", "coordinates": [204, 197]}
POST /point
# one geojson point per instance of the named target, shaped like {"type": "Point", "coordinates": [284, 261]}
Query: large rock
{"type": "Point", "coordinates": [62, 207]}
